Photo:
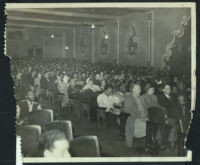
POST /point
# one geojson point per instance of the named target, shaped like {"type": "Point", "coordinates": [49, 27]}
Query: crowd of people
{"type": "Point", "coordinates": [117, 88]}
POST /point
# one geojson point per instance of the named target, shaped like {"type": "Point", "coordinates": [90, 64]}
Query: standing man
{"type": "Point", "coordinates": [167, 101]}
{"type": "Point", "coordinates": [133, 106]}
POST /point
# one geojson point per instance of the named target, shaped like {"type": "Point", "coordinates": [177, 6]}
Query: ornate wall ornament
{"type": "Point", "coordinates": [132, 43]}
{"type": "Point", "coordinates": [178, 33]}
{"type": "Point", "coordinates": [83, 44]}
{"type": "Point", "coordinates": [103, 42]}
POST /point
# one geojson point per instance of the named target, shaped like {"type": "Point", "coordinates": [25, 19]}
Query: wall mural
{"type": "Point", "coordinates": [83, 44]}
{"type": "Point", "coordinates": [103, 43]}
{"type": "Point", "coordinates": [165, 60]}
{"type": "Point", "coordinates": [132, 44]}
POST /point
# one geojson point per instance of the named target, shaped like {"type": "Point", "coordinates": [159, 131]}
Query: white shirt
{"type": "Point", "coordinates": [30, 105]}
{"type": "Point", "coordinates": [104, 101]}
{"type": "Point", "coordinates": [167, 96]}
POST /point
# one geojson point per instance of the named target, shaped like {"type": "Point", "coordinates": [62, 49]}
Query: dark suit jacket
{"type": "Point", "coordinates": [170, 105]}
{"type": "Point", "coordinates": [24, 109]}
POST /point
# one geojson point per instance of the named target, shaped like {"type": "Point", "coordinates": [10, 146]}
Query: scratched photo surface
{"type": "Point", "coordinates": [102, 82]}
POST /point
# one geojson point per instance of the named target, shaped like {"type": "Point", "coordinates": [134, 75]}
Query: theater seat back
{"type": "Point", "coordinates": [40, 117]}
{"type": "Point", "coordinates": [85, 146]}
{"type": "Point", "coordinates": [156, 115]}
{"type": "Point", "coordinates": [64, 126]}
{"type": "Point", "coordinates": [30, 140]}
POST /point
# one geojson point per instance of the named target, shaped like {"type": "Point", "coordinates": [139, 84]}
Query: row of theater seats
{"type": "Point", "coordinates": [41, 121]}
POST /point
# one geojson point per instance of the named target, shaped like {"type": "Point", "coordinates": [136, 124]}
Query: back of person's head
{"type": "Point", "coordinates": [54, 144]}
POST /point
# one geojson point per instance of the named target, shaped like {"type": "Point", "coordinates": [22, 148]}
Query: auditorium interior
{"type": "Point", "coordinates": [69, 61]}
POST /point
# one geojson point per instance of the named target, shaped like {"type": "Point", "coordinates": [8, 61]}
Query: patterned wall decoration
{"type": "Point", "coordinates": [103, 42]}
{"type": "Point", "coordinates": [165, 61]}
{"type": "Point", "coordinates": [132, 43]}
{"type": "Point", "coordinates": [83, 44]}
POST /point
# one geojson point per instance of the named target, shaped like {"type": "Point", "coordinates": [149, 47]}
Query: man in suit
{"type": "Point", "coordinates": [27, 106]}
{"type": "Point", "coordinates": [168, 102]}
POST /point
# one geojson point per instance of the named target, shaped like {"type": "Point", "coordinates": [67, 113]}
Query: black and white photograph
{"type": "Point", "coordinates": [100, 82]}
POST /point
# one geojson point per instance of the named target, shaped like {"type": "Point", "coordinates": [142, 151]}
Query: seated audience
{"type": "Point", "coordinates": [108, 85]}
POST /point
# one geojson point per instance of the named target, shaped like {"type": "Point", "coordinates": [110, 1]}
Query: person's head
{"type": "Point", "coordinates": [108, 90]}
{"type": "Point", "coordinates": [103, 83]}
{"type": "Point", "coordinates": [136, 89]}
{"type": "Point", "coordinates": [181, 99]}
{"type": "Point", "coordinates": [97, 77]}
{"type": "Point", "coordinates": [30, 96]}
{"type": "Point", "coordinates": [166, 89]}
{"type": "Point", "coordinates": [72, 82]}
{"type": "Point", "coordinates": [101, 74]}
{"type": "Point", "coordinates": [65, 78]}
{"type": "Point", "coordinates": [149, 89]}
{"type": "Point", "coordinates": [175, 79]}
{"type": "Point", "coordinates": [174, 90]}
{"type": "Point", "coordinates": [54, 144]}
{"type": "Point", "coordinates": [89, 82]}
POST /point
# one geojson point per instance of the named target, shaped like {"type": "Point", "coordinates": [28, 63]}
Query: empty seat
{"type": "Point", "coordinates": [85, 146]}
{"type": "Point", "coordinates": [40, 117]}
{"type": "Point", "coordinates": [62, 125]}
{"type": "Point", "coordinates": [30, 140]}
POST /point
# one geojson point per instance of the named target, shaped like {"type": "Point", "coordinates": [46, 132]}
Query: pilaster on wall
{"type": "Point", "coordinates": [74, 35]}
{"type": "Point", "coordinates": [117, 41]}
{"type": "Point", "coordinates": [150, 38]}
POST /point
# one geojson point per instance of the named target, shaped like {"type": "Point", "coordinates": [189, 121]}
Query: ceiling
{"type": "Point", "coordinates": [65, 17]}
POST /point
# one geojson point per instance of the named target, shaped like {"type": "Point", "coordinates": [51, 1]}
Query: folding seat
{"type": "Point", "coordinates": [40, 117]}
{"type": "Point", "coordinates": [30, 140]}
{"type": "Point", "coordinates": [64, 126]}
{"type": "Point", "coordinates": [85, 146]}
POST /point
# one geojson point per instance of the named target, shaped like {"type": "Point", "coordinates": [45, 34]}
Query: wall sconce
{"type": "Point", "coordinates": [106, 36]}
{"type": "Point", "coordinates": [52, 36]}
{"type": "Point", "coordinates": [66, 48]}
{"type": "Point", "coordinates": [93, 26]}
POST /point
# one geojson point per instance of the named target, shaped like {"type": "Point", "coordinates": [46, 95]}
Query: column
{"type": "Point", "coordinates": [149, 38]}
{"type": "Point", "coordinates": [74, 34]}
{"type": "Point", "coordinates": [93, 46]}
{"type": "Point", "coordinates": [117, 42]}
